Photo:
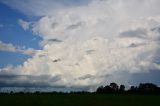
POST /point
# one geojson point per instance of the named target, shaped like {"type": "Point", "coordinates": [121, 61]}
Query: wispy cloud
{"type": "Point", "coordinates": [41, 7]}
{"type": "Point", "coordinates": [7, 47]}
{"type": "Point", "coordinates": [11, 48]}
{"type": "Point", "coordinates": [25, 25]}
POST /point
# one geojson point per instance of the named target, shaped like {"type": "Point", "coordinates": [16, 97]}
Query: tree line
{"type": "Point", "coordinates": [112, 88]}
{"type": "Point", "coordinates": [145, 88]}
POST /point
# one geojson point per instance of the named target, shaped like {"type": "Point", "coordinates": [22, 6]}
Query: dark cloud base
{"type": "Point", "coordinates": [40, 83]}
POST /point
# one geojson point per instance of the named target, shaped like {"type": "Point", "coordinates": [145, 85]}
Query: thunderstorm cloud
{"type": "Point", "coordinates": [90, 44]}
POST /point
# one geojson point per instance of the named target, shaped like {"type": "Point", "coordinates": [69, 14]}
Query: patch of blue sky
{"type": "Point", "coordinates": [12, 32]}
{"type": "Point", "coordinates": [10, 58]}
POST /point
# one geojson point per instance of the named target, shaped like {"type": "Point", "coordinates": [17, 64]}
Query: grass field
{"type": "Point", "coordinates": [79, 100]}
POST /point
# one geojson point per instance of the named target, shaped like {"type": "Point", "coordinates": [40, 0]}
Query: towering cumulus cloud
{"type": "Point", "coordinates": [89, 45]}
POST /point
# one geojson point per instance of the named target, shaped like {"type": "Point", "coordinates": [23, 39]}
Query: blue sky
{"type": "Point", "coordinates": [79, 44]}
{"type": "Point", "coordinates": [12, 32]}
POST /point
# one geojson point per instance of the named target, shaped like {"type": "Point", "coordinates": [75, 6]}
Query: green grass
{"type": "Point", "coordinates": [79, 100]}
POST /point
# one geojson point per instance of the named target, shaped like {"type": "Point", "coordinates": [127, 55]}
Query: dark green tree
{"type": "Point", "coordinates": [114, 86]}
{"type": "Point", "coordinates": [122, 88]}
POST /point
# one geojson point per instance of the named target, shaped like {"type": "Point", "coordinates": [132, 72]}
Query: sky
{"type": "Point", "coordinates": [66, 45]}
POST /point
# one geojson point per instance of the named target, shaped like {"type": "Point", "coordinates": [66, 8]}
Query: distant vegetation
{"type": "Point", "coordinates": [146, 94]}
{"type": "Point", "coordinates": [145, 88]}
{"type": "Point", "coordinates": [113, 88]}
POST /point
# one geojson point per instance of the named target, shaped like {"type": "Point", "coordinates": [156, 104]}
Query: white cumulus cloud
{"type": "Point", "coordinates": [94, 44]}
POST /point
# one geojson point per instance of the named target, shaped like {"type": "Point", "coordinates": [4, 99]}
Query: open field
{"type": "Point", "coordinates": [79, 100]}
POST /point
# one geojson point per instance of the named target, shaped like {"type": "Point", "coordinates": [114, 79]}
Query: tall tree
{"type": "Point", "coordinates": [122, 88]}
{"type": "Point", "coordinates": [114, 86]}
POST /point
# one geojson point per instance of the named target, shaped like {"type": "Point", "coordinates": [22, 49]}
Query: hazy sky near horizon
{"type": "Point", "coordinates": [79, 44]}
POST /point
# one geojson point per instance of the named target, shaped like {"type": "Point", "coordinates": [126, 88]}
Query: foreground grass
{"type": "Point", "coordinates": [79, 100]}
